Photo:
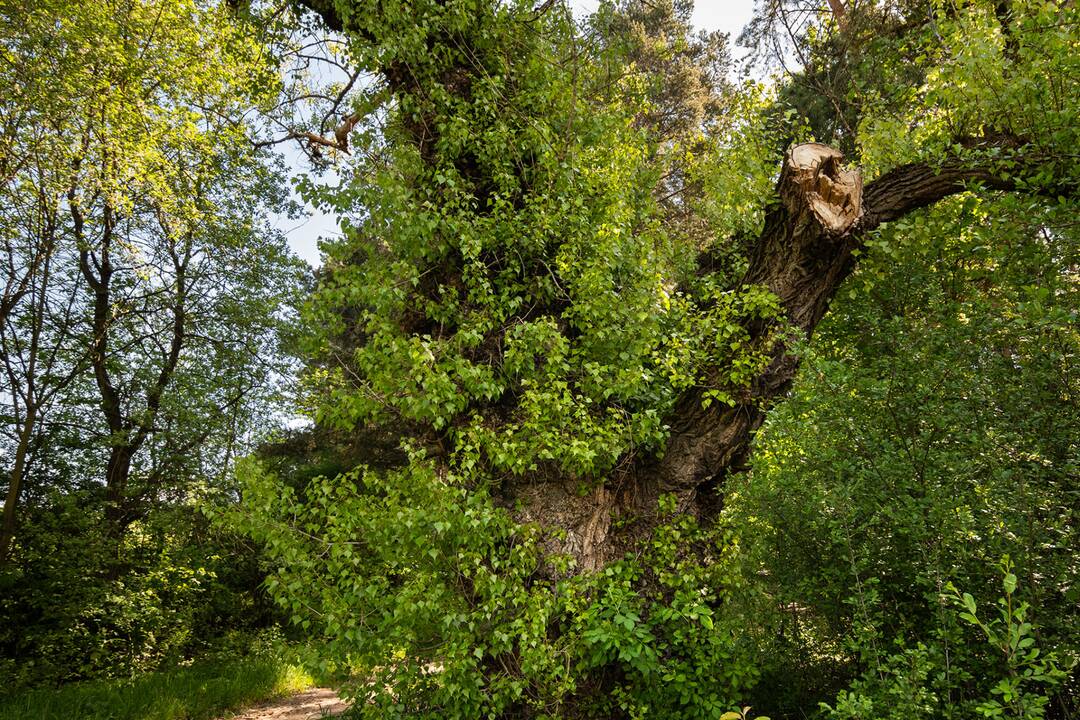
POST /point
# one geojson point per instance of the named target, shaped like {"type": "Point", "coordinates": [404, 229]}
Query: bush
{"type": "Point", "coordinates": [926, 682]}
{"type": "Point", "coordinates": [77, 605]}
{"type": "Point", "coordinates": [461, 614]}
{"type": "Point", "coordinates": [932, 432]}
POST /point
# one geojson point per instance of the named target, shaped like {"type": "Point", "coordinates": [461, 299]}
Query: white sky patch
{"type": "Point", "coordinates": [303, 233]}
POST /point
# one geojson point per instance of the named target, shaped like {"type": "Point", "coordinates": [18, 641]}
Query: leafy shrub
{"type": "Point", "coordinates": [925, 682]}
{"type": "Point", "coordinates": [460, 613]}
{"type": "Point", "coordinates": [78, 605]}
{"type": "Point", "coordinates": [932, 432]}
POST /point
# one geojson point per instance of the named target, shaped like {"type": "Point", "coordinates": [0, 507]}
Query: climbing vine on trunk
{"type": "Point", "coordinates": [574, 319]}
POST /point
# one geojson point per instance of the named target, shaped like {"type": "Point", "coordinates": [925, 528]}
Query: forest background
{"type": "Point", "coordinates": [638, 381]}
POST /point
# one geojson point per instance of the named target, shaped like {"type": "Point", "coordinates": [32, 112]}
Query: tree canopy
{"type": "Point", "coordinates": [580, 267]}
{"type": "Point", "coordinates": [139, 329]}
{"type": "Point", "coordinates": [633, 387]}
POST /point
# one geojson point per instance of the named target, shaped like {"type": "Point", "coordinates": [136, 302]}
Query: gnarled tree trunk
{"type": "Point", "coordinates": [803, 255]}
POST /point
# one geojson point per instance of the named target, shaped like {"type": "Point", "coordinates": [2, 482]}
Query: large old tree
{"type": "Point", "coordinates": [571, 287]}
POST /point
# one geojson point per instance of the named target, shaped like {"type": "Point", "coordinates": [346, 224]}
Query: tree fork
{"type": "Point", "coordinates": [806, 250]}
{"type": "Point", "coordinates": [803, 255]}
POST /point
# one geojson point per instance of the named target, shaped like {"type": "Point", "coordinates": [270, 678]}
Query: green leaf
{"type": "Point", "coordinates": [1010, 584]}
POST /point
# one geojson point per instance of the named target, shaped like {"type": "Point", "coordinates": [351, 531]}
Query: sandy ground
{"type": "Point", "coordinates": [308, 705]}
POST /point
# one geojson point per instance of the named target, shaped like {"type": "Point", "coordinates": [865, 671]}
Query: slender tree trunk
{"type": "Point", "coordinates": [128, 434]}
{"type": "Point", "coordinates": [22, 452]}
{"type": "Point", "coordinates": [36, 375]}
{"type": "Point", "coordinates": [117, 472]}
{"type": "Point", "coordinates": [32, 396]}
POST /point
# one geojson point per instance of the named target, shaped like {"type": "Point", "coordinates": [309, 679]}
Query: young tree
{"type": "Point", "coordinates": [138, 218]}
{"type": "Point", "coordinates": [40, 308]}
{"type": "Point", "coordinates": [573, 376]}
{"type": "Point", "coordinates": [36, 342]}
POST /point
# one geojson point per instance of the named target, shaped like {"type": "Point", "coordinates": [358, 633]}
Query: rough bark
{"type": "Point", "coordinates": [803, 255]}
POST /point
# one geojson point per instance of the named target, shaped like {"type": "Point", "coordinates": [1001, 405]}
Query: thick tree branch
{"type": "Point", "coordinates": [803, 255]}
{"type": "Point", "coordinates": [340, 140]}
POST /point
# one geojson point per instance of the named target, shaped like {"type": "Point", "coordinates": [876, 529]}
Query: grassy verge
{"type": "Point", "coordinates": [199, 692]}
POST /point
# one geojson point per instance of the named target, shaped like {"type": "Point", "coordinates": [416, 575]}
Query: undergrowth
{"type": "Point", "coordinates": [199, 692]}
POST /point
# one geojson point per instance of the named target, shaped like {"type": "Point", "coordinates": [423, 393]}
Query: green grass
{"type": "Point", "coordinates": [200, 692]}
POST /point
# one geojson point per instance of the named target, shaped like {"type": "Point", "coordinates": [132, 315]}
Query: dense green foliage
{"type": "Point", "coordinates": [144, 289]}
{"type": "Point", "coordinates": [516, 301]}
{"type": "Point", "coordinates": [551, 229]}
{"type": "Point", "coordinates": [505, 300]}
{"type": "Point", "coordinates": [933, 432]}
{"type": "Point", "coordinates": [405, 567]}
{"type": "Point", "coordinates": [184, 588]}
{"type": "Point", "coordinates": [517, 252]}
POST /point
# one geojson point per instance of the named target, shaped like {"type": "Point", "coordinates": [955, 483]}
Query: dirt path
{"type": "Point", "coordinates": [308, 705]}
